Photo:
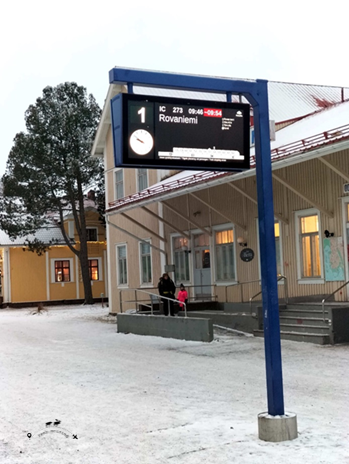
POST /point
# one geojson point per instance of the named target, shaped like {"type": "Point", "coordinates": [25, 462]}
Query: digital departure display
{"type": "Point", "coordinates": [158, 132]}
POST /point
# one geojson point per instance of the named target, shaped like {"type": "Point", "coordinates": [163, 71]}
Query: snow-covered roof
{"type": "Point", "coordinates": [287, 102]}
{"type": "Point", "coordinates": [294, 143]}
{"type": "Point", "coordinates": [45, 235]}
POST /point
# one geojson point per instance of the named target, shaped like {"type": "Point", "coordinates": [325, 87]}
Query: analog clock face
{"type": "Point", "coordinates": [141, 142]}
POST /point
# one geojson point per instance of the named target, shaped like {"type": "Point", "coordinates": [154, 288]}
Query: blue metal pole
{"type": "Point", "coordinates": [270, 303]}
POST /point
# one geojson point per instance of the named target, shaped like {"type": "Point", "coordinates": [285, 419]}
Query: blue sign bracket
{"type": "Point", "coordinates": [256, 92]}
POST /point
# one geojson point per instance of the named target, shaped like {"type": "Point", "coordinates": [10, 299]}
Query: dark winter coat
{"type": "Point", "coordinates": [166, 287]}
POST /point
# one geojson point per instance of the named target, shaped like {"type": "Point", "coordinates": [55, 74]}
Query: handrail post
{"type": "Point", "coordinates": [323, 308]}
{"type": "Point", "coordinates": [226, 293]}
{"type": "Point", "coordinates": [120, 300]}
{"type": "Point", "coordinates": [241, 294]}
{"type": "Point", "coordinates": [185, 309]}
{"type": "Point", "coordinates": [151, 302]}
{"type": "Point", "coordinates": [136, 301]}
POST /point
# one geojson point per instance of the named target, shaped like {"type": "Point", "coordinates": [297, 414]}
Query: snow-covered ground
{"type": "Point", "coordinates": [129, 399]}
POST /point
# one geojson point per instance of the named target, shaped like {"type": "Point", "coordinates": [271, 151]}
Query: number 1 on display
{"type": "Point", "coordinates": [142, 113]}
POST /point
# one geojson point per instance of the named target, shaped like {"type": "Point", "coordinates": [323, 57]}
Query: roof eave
{"type": "Point", "coordinates": [223, 178]}
{"type": "Point", "coordinates": [105, 121]}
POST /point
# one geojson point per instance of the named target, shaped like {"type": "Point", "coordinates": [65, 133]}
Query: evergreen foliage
{"type": "Point", "coordinates": [49, 169]}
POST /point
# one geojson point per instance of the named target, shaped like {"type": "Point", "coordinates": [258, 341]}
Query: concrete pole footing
{"type": "Point", "coordinates": [277, 428]}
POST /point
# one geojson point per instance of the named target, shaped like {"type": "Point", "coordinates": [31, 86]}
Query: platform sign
{"type": "Point", "coordinates": [171, 133]}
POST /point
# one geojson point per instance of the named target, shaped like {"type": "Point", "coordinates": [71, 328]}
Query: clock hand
{"type": "Point", "coordinates": [139, 140]}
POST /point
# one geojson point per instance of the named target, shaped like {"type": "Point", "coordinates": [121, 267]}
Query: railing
{"type": "Point", "coordinates": [282, 277]}
{"type": "Point", "coordinates": [329, 296]}
{"type": "Point", "coordinates": [191, 294]}
{"type": "Point", "coordinates": [151, 305]}
{"type": "Point", "coordinates": [239, 284]}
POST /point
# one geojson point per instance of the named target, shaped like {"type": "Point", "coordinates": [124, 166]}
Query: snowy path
{"type": "Point", "coordinates": [146, 400]}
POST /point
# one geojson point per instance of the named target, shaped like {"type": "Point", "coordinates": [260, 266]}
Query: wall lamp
{"type": "Point", "coordinates": [328, 234]}
{"type": "Point", "coordinates": [241, 242]}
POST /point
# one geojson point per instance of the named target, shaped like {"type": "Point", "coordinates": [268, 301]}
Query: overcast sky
{"type": "Point", "coordinates": [47, 43]}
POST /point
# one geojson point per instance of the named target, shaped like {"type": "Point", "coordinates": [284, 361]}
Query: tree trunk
{"type": "Point", "coordinates": [83, 256]}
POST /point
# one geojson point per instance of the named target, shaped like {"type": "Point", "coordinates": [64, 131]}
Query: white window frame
{"type": "Point", "coordinates": [190, 261]}
{"type": "Point", "coordinates": [220, 228]}
{"type": "Point", "coordinates": [93, 228]}
{"type": "Point", "coordinates": [310, 280]}
{"type": "Point", "coordinates": [345, 202]}
{"type": "Point", "coordinates": [71, 270]}
{"type": "Point", "coordinates": [145, 284]}
{"type": "Point", "coordinates": [121, 285]}
{"type": "Point", "coordinates": [147, 177]}
{"type": "Point", "coordinates": [280, 282]}
{"type": "Point", "coordinates": [100, 270]}
{"type": "Point", "coordinates": [115, 184]}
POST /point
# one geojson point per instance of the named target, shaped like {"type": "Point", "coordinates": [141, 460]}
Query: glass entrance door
{"type": "Point", "coordinates": [202, 266]}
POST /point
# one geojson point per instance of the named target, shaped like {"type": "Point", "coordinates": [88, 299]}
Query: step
{"type": "Point", "coordinates": [319, 339]}
{"type": "Point", "coordinates": [302, 313]}
{"type": "Point", "coordinates": [306, 328]}
{"type": "Point", "coordinates": [303, 320]}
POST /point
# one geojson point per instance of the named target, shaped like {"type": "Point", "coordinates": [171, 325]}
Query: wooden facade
{"type": "Point", "coordinates": [28, 278]}
{"type": "Point", "coordinates": [309, 186]}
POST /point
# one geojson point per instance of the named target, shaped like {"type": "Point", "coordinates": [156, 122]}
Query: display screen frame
{"type": "Point", "coordinates": [127, 130]}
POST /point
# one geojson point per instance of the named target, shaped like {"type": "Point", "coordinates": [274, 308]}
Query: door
{"type": "Point", "coordinates": [202, 267]}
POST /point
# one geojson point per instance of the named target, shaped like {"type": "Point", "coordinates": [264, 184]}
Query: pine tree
{"type": "Point", "coordinates": [49, 169]}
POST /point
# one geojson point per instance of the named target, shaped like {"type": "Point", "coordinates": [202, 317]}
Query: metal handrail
{"type": "Point", "coordinates": [151, 301]}
{"type": "Point", "coordinates": [329, 296]}
{"type": "Point", "coordinates": [190, 296]}
{"type": "Point", "coordinates": [241, 284]}
{"type": "Point", "coordinates": [281, 277]}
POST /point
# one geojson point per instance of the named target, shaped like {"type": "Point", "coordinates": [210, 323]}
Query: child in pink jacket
{"type": "Point", "coordinates": [182, 296]}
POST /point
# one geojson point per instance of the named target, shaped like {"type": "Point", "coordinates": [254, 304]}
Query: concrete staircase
{"type": "Point", "coordinates": [302, 323]}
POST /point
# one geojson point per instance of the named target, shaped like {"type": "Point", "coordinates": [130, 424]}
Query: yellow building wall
{"type": "Point", "coordinates": [32, 277]}
{"type": "Point", "coordinates": [28, 276]}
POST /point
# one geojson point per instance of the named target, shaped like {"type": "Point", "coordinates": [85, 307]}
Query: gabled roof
{"type": "Point", "coordinates": [44, 235]}
{"type": "Point", "coordinates": [287, 102]}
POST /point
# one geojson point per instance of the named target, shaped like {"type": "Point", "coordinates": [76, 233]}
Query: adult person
{"type": "Point", "coordinates": [167, 289]}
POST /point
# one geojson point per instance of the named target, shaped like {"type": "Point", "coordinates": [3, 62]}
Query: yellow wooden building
{"type": "Point", "coordinates": [55, 276]}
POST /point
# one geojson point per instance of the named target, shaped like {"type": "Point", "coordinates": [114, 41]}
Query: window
{"type": "Point", "coordinates": [122, 264]}
{"type": "Point", "coordinates": [92, 234]}
{"type": "Point", "coordinates": [181, 259]}
{"type": "Point", "coordinates": [119, 184]}
{"type": "Point", "coordinates": [309, 246]}
{"type": "Point", "coordinates": [145, 253]}
{"type": "Point", "coordinates": [62, 271]}
{"type": "Point", "coordinates": [142, 175]}
{"type": "Point", "coordinates": [93, 269]}
{"type": "Point", "coordinates": [278, 251]}
{"type": "Point", "coordinates": [225, 255]}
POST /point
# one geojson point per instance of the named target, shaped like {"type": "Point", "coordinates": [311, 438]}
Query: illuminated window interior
{"type": "Point", "coordinates": [225, 261]}
{"type": "Point", "coordinates": [93, 269]}
{"type": "Point", "coordinates": [309, 224]}
{"type": "Point", "coordinates": [62, 271]}
{"type": "Point", "coordinates": [224, 236]}
{"type": "Point", "coordinates": [310, 246]}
